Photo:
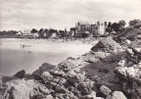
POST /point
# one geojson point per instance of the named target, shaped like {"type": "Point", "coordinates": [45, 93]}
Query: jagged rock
{"type": "Point", "coordinates": [129, 72]}
{"type": "Point", "coordinates": [57, 73]}
{"type": "Point", "coordinates": [90, 57]}
{"type": "Point", "coordinates": [67, 65]}
{"type": "Point", "coordinates": [20, 74]}
{"type": "Point", "coordinates": [72, 64]}
{"type": "Point", "coordinates": [1, 82]}
{"type": "Point", "coordinates": [74, 90]}
{"type": "Point", "coordinates": [102, 73]}
{"type": "Point", "coordinates": [84, 88]}
{"type": "Point", "coordinates": [47, 76]}
{"type": "Point", "coordinates": [116, 95]}
{"type": "Point", "coordinates": [92, 95]}
{"type": "Point", "coordinates": [60, 89]}
{"type": "Point", "coordinates": [105, 90]}
{"type": "Point", "coordinates": [130, 77]}
{"type": "Point", "coordinates": [43, 89]}
{"type": "Point", "coordinates": [24, 89]}
{"type": "Point", "coordinates": [49, 97]}
{"type": "Point", "coordinates": [74, 77]}
{"type": "Point", "coordinates": [98, 98]}
{"type": "Point", "coordinates": [107, 45]}
{"type": "Point", "coordinates": [65, 96]}
{"type": "Point", "coordinates": [42, 68]}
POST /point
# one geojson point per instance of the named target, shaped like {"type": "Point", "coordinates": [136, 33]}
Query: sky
{"type": "Point", "coordinates": [60, 14]}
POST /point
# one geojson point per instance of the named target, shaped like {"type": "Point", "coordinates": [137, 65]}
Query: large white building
{"type": "Point", "coordinates": [101, 28]}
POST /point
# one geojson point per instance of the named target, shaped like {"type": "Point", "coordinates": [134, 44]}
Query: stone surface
{"type": "Point", "coordinates": [118, 95]}
{"type": "Point", "coordinates": [77, 78]}
{"type": "Point", "coordinates": [22, 89]}
{"type": "Point", "coordinates": [105, 90]}
{"type": "Point", "coordinates": [107, 45]}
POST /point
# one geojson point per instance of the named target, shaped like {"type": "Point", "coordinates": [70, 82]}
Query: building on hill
{"type": "Point", "coordinates": [84, 29]}
{"type": "Point", "coordinates": [26, 34]}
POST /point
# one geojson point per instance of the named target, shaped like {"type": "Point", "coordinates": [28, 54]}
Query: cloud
{"type": "Point", "coordinates": [26, 14]}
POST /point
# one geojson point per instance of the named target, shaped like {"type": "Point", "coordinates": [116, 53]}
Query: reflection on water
{"type": "Point", "coordinates": [30, 55]}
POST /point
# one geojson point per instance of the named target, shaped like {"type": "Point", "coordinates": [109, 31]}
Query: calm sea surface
{"type": "Point", "coordinates": [16, 54]}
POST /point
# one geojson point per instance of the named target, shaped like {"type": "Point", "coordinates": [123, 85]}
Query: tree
{"type": "Point", "coordinates": [122, 23]}
{"type": "Point", "coordinates": [116, 27]}
{"type": "Point", "coordinates": [134, 22]}
{"type": "Point", "coordinates": [109, 28]}
{"type": "Point", "coordinates": [34, 30]}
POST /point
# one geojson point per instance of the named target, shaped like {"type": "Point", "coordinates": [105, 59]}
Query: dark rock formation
{"type": "Point", "coordinates": [42, 68]}
{"type": "Point", "coordinates": [20, 74]}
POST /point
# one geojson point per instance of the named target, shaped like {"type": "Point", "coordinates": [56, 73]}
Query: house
{"type": "Point", "coordinates": [35, 35]}
{"type": "Point", "coordinates": [26, 34]}
{"type": "Point", "coordinates": [101, 26]}
{"type": "Point", "coordinates": [83, 29]}
{"type": "Point", "coordinates": [19, 34]}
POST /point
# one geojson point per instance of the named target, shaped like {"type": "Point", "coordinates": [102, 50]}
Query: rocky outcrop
{"type": "Point", "coordinates": [98, 74]}
{"type": "Point", "coordinates": [42, 68]}
{"type": "Point", "coordinates": [107, 45]}
{"type": "Point", "coordinates": [105, 90]}
{"type": "Point", "coordinates": [130, 80]}
{"type": "Point", "coordinates": [21, 89]}
{"type": "Point", "coordinates": [129, 73]}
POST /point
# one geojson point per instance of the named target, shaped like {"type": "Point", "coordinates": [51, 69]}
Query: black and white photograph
{"type": "Point", "coordinates": [70, 49]}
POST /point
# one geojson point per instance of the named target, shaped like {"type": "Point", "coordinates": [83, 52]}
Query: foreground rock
{"type": "Point", "coordinates": [116, 95]}
{"type": "Point", "coordinates": [91, 76]}
{"type": "Point", "coordinates": [105, 90]}
{"type": "Point", "coordinates": [130, 80]}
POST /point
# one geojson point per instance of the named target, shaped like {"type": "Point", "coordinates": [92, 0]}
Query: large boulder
{"type": "Point", "coordinates": [130, 80]}
{"type": "Point", "coordinates": [117, 95]}
{"type": "Point", "coordinates": [42, 68]}
{"type": "Point", "coordinates": [71, 63]}
{"type": "Point", "coordinates": [25, 89]}
{"type": "Point", "coordinates": [105, 90]}
{"type": "Point", "coordinates": [107, 45]}
{"type": "Point", "coordinates": [92, 95]}
{"type": "Point", "coordinates": [20, 74]}
{"type": "Point", "coordinates": [130, 73]}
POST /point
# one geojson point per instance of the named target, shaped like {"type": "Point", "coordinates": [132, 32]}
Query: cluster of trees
{"type": "Point", "coordinates": [120, 28]}
{"type": "Point", "coordinates": [130, 32]}
{"type": "Point", "coordinates": [135, 23]}
{"type": "Point", "coordinates": [10, 32]}
{"type": "Point", "coordinates": [46, 33]}
{"type": "Point", "coordinates": [116, 26]}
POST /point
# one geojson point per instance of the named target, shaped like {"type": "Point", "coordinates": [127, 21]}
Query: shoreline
{"type": "Point", "coordinates": [38, 52]}
{"type": "Point", "coordinates": [40, 45]}
{"type": "Point", "coordinates": [95, 74]}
